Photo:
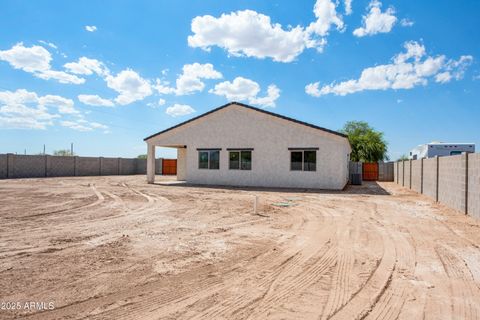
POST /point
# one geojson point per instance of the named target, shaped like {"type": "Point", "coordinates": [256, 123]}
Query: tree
{"type": "Point", "coordinates": [403, 157]}
{"type": "Point", "coordinates": [142, 156]}
{"type": "Point", "coordinates": [368, 145]}
{"type": "Point", "coordinates": [63, 153]}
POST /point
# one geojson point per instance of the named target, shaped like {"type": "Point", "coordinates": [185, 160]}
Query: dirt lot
{"type": "Point", "coordinates": [116, 247]}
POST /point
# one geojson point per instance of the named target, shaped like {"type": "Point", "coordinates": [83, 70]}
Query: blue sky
{"type": "Point", "coordinates": [104, 75]}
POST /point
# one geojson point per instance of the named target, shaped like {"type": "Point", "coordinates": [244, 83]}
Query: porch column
{"type": "Point", "coordinates": [150, 163]}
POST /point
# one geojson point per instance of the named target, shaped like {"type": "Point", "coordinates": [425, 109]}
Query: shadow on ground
{"type": "Point", "coordinates": [367, 188]}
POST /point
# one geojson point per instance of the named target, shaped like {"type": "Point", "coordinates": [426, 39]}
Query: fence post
{"type": "Point", "coordinates": [48, 164]}
{"type": "Point", "coordinates": [10, 165]}
{"type": "Point", "coordinates": [466, 182]}
{"type": "Point", "coordinates": [421, 175]}
{"type": "Point", "coordinates": [118, 166]}
{"type": "Point", "coordinates": [410, 174]}
{"type": "Point", "coordinates": [75, 158]}
{"type": "Point", "coordinates": [100, 160]}
{"type": "Point", "coordinates": [398, 171]}
{"type": "Point", "coordinates": [437, 180]}
{"type": "Point", "coordinates": [403, 173]}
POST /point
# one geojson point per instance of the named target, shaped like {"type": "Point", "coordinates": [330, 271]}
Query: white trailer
{"type": "Point", "coordinates": [440, 149]}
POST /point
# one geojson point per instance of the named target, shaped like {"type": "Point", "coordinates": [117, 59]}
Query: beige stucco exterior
{"type": "Point", "coordinates": [270, 137]}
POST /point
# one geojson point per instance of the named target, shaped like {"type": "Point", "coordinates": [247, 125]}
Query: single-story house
{"type": "Point", "coordinates": [240, 145]}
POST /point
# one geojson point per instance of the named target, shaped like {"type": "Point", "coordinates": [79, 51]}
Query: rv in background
{"type": "Point", "coordinates": [440, 149]}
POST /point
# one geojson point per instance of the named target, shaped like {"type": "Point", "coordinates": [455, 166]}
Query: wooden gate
{"type": "Point", "coordinates": [169, 166]}
{"type": "Point", "coordinates": [370, 171]}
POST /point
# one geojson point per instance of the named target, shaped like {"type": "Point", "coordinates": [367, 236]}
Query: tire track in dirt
{"type": "Point", "coordinates": [465, 293]}
{"type": "Point", "coordinates": [367, 297]}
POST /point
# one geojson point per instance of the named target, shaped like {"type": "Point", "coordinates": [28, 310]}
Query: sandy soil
{"type": "Point", "coordinates": [118, 248]}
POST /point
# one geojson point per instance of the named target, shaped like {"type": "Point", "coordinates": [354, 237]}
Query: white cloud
{"type": "Point", "coordinates": [239, 89]}
{"type": "Point", "coordinates": [60, 76]}
{"type": "Point", "coordinates": [51, 45]}
{"type": "Point", "coordinates": [87, 66]}
{"type": "Point", "coordinates": [36, 60]}
{"type": "Point", "coordinates": [95, 100]}
{"type": "Point", "coordinates": [64, 105]}
{"type": "Point", "coordinates": [443, 77]}
{"type": "Point", "coordinates": [242, 89]}
{"type": "Point", "coordinates": [326, 14]}
{"type": "Point", "coordinates": [91, 28]}
{"type": "Point", "coordinates": [252, 34]}
{"type": "Point", "coordinates": [190, 80]}
{"type": "Point", "coordinates": [178, 110]}
{"type": "Point", "coordinates": [348, 7]}
{"type": "Point", "coordinates": [376, 21]}
{"type": "Point", "coordinates": [406, 22]}
{"type": "Point", "coordinates": [159, 103]}
{"type": "Point", "coordinates": [407, 70]}
{"type": "Point", "coordinates": [273, 93]}
{"type": "Point", "coordinates": [82, 125]}
{"type": "Point", "coordinates": [22, 109]}
{"type": "Point", "coordinates": [130, 86]}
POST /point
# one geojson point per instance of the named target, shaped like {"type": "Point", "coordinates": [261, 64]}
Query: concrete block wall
{"type": "Point", "coordinates": [23, 166]}
{"type": "Point", "coordinates": [385, 171]}
{"type": "Point", "coordinates": [128, 166]}
{"type": "Point", "coordinates": [430, 177]}
{"type": "Point", "coordinates": [407, 180]}
{"type": "Point", "coordinates": [395, 171]}
{"type": "Point", "coordinates": [473, 195]}
{"type": "Point", "coordinates": [451, 181]}
{"type": "Point", "coordinates": [87, 166]}
{"type": "Point", "coordinates": [109, 166]}
{"type": "Point", "coordinates": [26, 166]}
{"type": "Point", "coordinates": [3, 166]}
{"type": "Point", "coordinates": [58, 166]}
{"type": "Point", "coordinates": [417, 175]}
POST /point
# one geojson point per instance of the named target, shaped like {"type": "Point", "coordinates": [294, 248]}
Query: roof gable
{"type": "Point", "coordinates": [250, 108]}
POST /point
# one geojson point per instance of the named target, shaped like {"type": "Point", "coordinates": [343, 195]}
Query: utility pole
{"type": "Point", "coordinates": [43, 149]}
{"type": "Point", "coordinates": [71, 149]}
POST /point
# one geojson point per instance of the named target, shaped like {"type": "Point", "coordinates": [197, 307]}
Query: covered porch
{"type": "Point", "coordinates": [181, 161]}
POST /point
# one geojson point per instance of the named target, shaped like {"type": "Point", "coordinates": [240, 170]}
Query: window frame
{"type": "Point", "coordinates": [209, 152]}
{"type": "Point", "coordinates": [302, 151]}
{"type": "Point", "coordinates": [239, 151]}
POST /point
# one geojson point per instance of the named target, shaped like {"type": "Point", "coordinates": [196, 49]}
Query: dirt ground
{"type": "Point", "coordinates": [118, 248]}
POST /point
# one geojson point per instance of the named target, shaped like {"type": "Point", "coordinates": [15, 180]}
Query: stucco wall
{"type": "Point", "coordinates": [181, 163]}
{"type": "Point", "coordinates": [451, 181]}
{"type": "Point", "coordinates": [417, 175]}
{"type": "Point", "coordinates": [474, 185]}
{"type": "Point", "coordinates": [395, 171]}
{"type": "Point", "coordinates": [270, 137]}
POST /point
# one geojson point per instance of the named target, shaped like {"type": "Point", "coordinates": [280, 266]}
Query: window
{"type": "Point", "coordinates": [209, 159]}
{"type": "Point", "coordinates": [203, 160]}
{"type": "Point", "coordinates": [241, 159]}
{"type": "Point", "coordinates": [309, 161]}
{"type": "Point", "coordinates": [214, 159]}
{"type": "Point", "coordinates": [296, 160]}
{"type": "Point", "coordinates": [303, 160]}
{"type": "Point", "coordinates": [453, 153]}
{"type": "Point", "coordinates": [234, 163]}
{"type": "Point", "coordinates": [246, 160]}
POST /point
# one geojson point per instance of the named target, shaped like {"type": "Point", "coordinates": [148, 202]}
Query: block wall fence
{"type": "Point", "coordinates": [453, 180]}
{"type": "Point", "coordinates": [26, 166]}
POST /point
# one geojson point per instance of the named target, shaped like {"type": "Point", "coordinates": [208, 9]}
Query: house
{"type": "Point", "coordinates": [240, 145]}
{"type": "Point", "coordinates": [432, 149]}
